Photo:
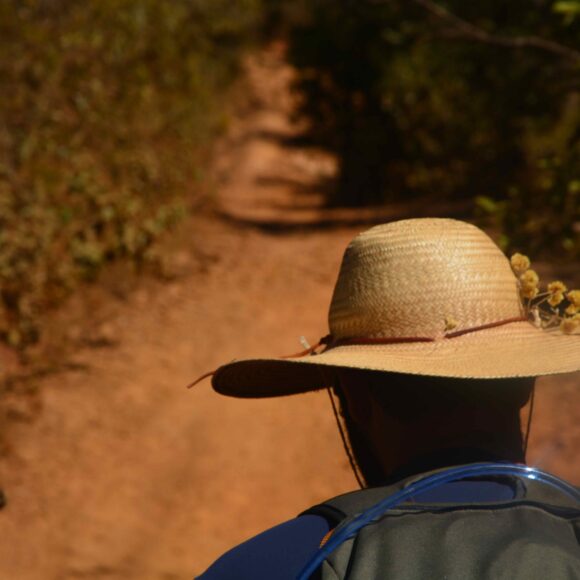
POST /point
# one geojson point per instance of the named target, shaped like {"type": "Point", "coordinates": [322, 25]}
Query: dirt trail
{"type": "Point", "coordinates": [125, 474]}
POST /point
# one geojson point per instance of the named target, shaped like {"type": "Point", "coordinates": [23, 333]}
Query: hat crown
{"type": "Point", "coordinates": [407, 278]}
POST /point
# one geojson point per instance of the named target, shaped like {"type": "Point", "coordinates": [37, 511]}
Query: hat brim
{"type": "Point", "coordinates": [516, 350]}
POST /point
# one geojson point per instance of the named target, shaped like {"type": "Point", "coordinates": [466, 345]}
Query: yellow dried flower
{"type": "Point", "coordinates": [557, 291]}
{"type": "Point", "coordinates": [519, 263]}
{"type": "Point", "coordinates": [450, 323]}
{"type": "Point", "coordinates": [555, 299]}
{"type": "Point", "coordinates": [529, 291]}
{"type": "Point", "coordinates": [570, 325]}
{"type": "Point", "coordinates": [529, 279]}
{"type": "Point", "coordinates": [574, 297]}
{"type": "Point", "coordinates": [557, 287]}
{"type": "Point", "coordinates": [529, 284]}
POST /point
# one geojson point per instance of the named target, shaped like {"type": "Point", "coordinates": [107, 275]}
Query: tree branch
{"type": "Point", "coordinates": [472, 32]}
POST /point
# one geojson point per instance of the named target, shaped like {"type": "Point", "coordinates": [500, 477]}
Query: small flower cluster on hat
{"type": "Point", "coordinates": [556, 307]}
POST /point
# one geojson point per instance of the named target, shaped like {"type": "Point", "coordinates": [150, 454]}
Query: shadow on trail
{"type": "Point", "coordinates": [292, 189]}
{"type": "Point", "coordinates": [296, 186]}
{"type": "Point", "coordinates": [296, 140]}
{"type": "Point", "coordinates": [341, 218]}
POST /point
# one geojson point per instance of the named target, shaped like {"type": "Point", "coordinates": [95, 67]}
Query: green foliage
{"type": "Point", "coordinates": [105, 109]}
{"type": "Point", "coordinates": [415, 104]}
{"type": "Point", "coordinates": [570, 9]}
{"type": "Point", "coordinates": [543, 219]}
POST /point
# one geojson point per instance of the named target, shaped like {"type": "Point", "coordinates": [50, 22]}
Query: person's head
{"type": "Point", "coordinates": [396, 419]}
{"type": "Point", "coordinates": [434, 340]}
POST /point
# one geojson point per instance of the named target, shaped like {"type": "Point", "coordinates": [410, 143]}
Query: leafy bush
{"type": "Point", "coordinates": [424, 98]}
{"type": "Point", "coordinates": [544, 218]}
{"type": "Point", "coordinates": [106, 107]}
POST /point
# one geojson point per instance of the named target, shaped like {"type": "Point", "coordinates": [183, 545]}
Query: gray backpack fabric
{"type": "Point", "coordinates": [532, 537]}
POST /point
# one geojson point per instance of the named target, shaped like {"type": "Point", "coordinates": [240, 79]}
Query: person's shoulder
{"type": "Point", "coordinates": [279, 552]}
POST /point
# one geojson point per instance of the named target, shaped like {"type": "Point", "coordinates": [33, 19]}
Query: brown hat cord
{"type": "Point", "coordinates": [328, 342]}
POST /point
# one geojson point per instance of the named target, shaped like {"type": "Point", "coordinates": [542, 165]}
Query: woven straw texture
{"type": "Point", "coordinates": [407, 280]}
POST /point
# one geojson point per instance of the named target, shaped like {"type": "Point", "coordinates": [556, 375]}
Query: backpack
{"type": "Point", "coordinates": [534, 536]}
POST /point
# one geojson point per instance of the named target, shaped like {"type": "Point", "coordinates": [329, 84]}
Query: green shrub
{"type": "Point", "coordinates": [106, 108]}
{"type": "Point", "coordinates": [543, 217]}
{"type": "Point", "coordinates": [412, 105]}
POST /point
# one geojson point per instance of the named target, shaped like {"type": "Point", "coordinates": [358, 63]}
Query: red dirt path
{"type": "Point", "coordinates": [127, 475]}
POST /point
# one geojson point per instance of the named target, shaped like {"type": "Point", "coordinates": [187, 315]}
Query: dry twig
{"type": "Point", "coordinates": [471, 32]}
{"type": "Point", "coordinates": [464, 29]}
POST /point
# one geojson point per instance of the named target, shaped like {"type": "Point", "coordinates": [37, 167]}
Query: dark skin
{"type": "Point", "coordinates": [395, 420]}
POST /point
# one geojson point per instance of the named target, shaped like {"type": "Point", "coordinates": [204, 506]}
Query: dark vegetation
{"type": "Point", "coordinates": [450, 99]}
{"type": "Point", "coordinates": [108, 107]}
{"type": "Point", "coordinates": [106, 110]}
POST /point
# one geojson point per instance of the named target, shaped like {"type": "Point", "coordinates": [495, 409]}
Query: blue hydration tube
{"type": "Point", "coordinates": [429, 482]}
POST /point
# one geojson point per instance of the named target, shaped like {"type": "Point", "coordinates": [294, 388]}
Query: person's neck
{"type": "Point", "coordinates": [443, 441]}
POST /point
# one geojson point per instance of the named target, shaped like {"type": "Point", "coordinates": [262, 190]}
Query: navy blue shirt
{"type": "Point", "coordinates": [282, 552]}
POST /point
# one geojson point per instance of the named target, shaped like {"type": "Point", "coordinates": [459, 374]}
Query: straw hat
{"type": "Point", "coordinates": [432, 297]}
